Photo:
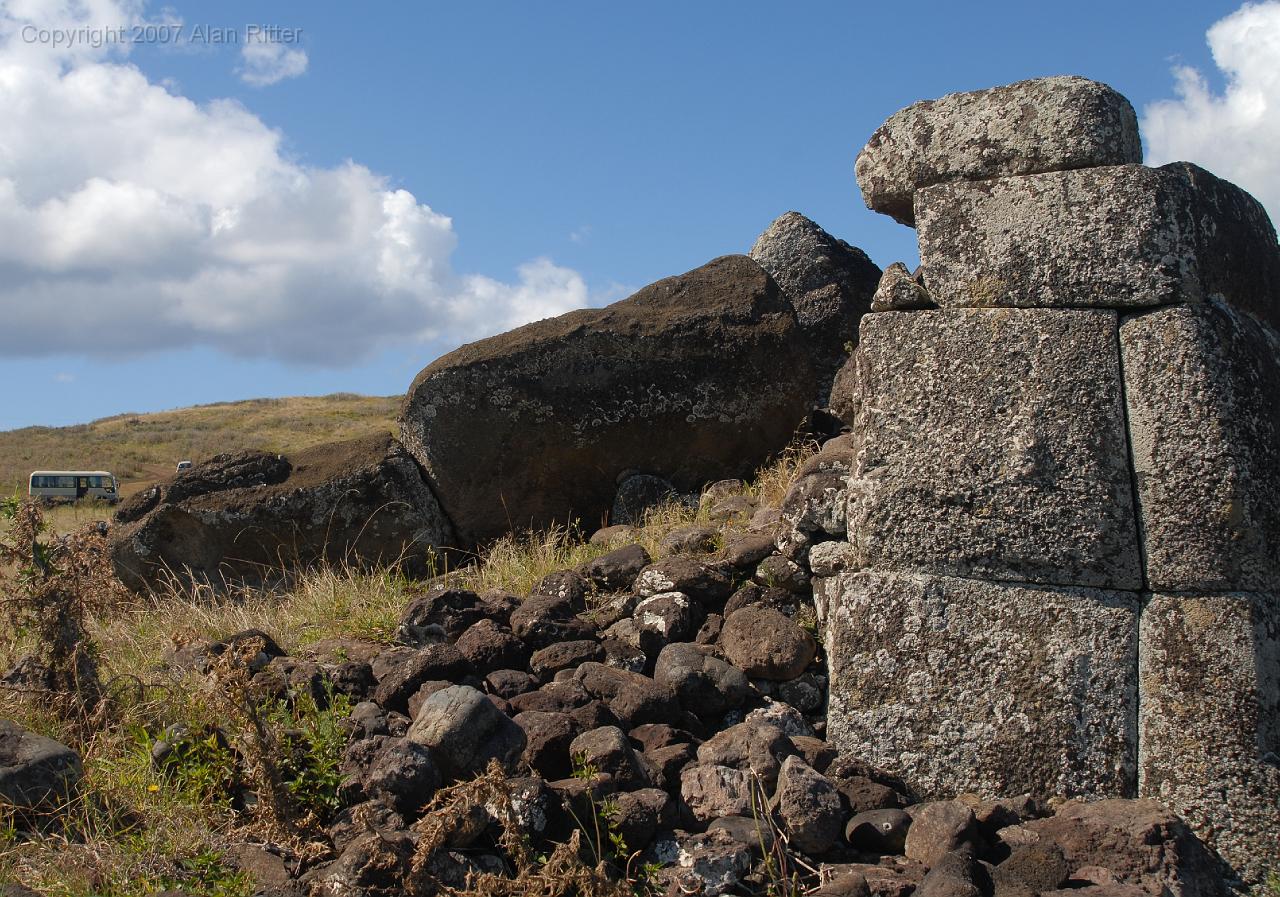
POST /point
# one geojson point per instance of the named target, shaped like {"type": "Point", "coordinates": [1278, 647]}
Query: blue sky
{"type": "Point", "coordinates": [191, 222]}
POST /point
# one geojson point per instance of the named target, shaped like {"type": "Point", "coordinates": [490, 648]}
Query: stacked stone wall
{"type": "Point", "coordinates": [1064, 509]}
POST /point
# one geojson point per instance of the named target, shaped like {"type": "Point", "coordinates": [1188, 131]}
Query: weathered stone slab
{"type": "Point", "coordinates": [250, 516]}
{"type": "Point", "coordinates": [993, 445]}
{"type": "Point", "coordinates": [961, 685]}
{"type": "Point", "coordinates": [1046, 124]}
{"type": "Point", "coordinates": [1209, 723]}
{"type": "Point", "coordinates": [1202, 384]}
{"type": "Point", "coordinates": [828, 282]}
{"type": "Point", "coordinates": [1121, 236]}
{"type": "Point", "coordinates": [695, 378]}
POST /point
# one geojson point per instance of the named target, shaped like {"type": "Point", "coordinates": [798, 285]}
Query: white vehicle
{"type": "Point", "coordinates": [73, 485]}
{"type": "Point", "coordinates": [183, 465]}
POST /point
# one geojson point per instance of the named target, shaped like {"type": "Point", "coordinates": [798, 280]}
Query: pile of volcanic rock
{"type": "Point", "coordinates": [682, 697]}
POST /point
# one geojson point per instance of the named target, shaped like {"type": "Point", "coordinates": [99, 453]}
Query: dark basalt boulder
{"type": "Point", "coordinates": [237, 519]}
{"type": "Point", "coordinates": [695, 378]}
{"type": "Point", "coordinates": [828, 282]}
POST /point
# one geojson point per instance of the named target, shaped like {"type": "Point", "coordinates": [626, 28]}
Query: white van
{"type": "Point", "coordinates": [52, 486]}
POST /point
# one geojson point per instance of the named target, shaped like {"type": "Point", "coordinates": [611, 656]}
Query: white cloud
{"type": "Point", "coordinates": [1234, 134]}
{"type": "Point", "coordinates": [265, 62]}
{"type": "Point", "coordinates": [133, 219]}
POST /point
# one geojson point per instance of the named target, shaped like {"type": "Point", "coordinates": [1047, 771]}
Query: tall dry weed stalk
{"type": "Point", "coordinates": [49, 588]}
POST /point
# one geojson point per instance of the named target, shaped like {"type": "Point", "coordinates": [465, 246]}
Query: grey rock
{"type": "Point", "coordinates": [441, 613]}
{"type": "Point", "coordinates": [814, 508]}
{"type": "Point", "coordinates": [832, 558]}
{"type": "Point", "coordinates": [1202, 384]}
{"type": "Point", "coordinates": [828, 282]}
{"type": "Point", "coordinates": [710, 864]}
{"type": "Point", "coordinates": [899, 291]}
{"type": "Point", "coordinates": [37, 774]}
{"type": "Point", "coordinates": [780, 572]}
{"type": "Point", "coordinates": [1209, 720]}
{"type": "Point", "coordinates": [617, 569]}
{"type": "Point", "coordinates": [688, 575]}
{"type": "Point", "coordinates": [712, 359]}
{"type": "Point", "coordinates": [712, 791]}
{"type": "Point", "coordinates": [781, 716]}
{"type": "Point", "coordinates": [464, 731]}
{"type": "Point", "coordinates": [993, 445]}
{"type": "Point", "coordinates": [756, 748]}
{"type": "Point", "coordinates": [706, 685]}
{"type": "Point", "coordinates": [363, 502]}
{"type": "Point", "coordinates": [395, 770]}
{"type": "Point", "coordinates": [808, 806]}
{"type": "Point", "coordinates": [544, 620]}
{"type": "Point", "coordinates": [633, 698]}
{"type": "Point", "coordinates": [1124, 236]}
{"type": "Point", "coordinates": [766, 644]}
{"type": "Point", "coordinates": [1045, 124]}
{"type": "Point", "coordinates": [1026, 690]}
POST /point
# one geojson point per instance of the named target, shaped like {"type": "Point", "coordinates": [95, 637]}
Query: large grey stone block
{"type": "Point", "coordinates": [1209, 724]}
{"type": "Point", "coordinates": [1121, 236]}
{"type": "Point", "coordinates": [961, 685]}
{"type": "Point", "coordinates": [993, 445]}
{"type": "Point", "coordinates": [1046, 124]}
{"type": "Point", "coordinates": [1202, 384]}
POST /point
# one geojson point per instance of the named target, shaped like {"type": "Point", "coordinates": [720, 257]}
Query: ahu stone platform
{"type": "Point", "coordinates": [1064, 507]}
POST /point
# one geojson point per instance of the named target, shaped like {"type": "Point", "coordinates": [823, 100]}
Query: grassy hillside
{"type": "Point", "coordinates": [141, 448]}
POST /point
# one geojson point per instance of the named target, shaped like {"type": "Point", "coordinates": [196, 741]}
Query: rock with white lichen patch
{"type": "Point", "coordinates": [695, 378]}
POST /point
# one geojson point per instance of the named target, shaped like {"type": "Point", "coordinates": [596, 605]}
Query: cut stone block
{"type": "Point", "coordinates": [1046, 124]}
{"type": "Point", "coordinates": [961, 685]}
{"type": "Point", "coordinates": [1209, 724]}
{"type": "Point", "coordinates": [993, 445]}
{"type": "Point", "coordinates": [1122, 236]}
{"type": "Point", "coordinates": [1202, 384]}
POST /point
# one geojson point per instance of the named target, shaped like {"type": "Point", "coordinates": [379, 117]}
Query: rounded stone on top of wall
{"type": "Point", "coordinates": [1044, 124]}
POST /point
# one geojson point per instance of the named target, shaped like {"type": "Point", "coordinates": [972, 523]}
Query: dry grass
{"type": "Point", "coordinates": [133, 832]}
{"type": "Point", "coordinates": [142, 448]}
